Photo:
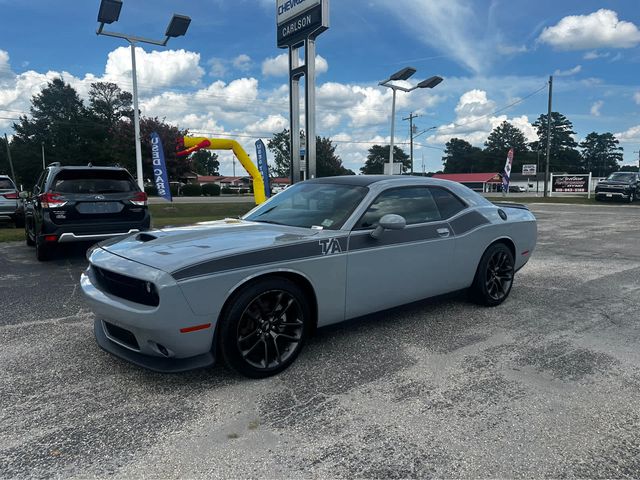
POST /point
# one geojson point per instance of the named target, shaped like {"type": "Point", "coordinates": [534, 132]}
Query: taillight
{"type": "Point", "coordinates": [139, 199]}
{"type": "Point", "coordinates": [52, 200]}
{"type": "Point", "coordinates": [11, 196]}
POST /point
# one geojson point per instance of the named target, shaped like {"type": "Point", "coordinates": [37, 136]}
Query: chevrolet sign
{"type": "Point", "coordinates": [287, 9]}
{"type": "Point", "coordinates": [300, 19]}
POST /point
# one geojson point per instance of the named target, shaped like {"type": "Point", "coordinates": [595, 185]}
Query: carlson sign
{"type": "Point", "coordinates": [570, 183]}
{"type": "Point", "coordinates": [300, 19]}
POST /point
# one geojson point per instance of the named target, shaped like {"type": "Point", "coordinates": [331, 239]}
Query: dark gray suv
{"type": "Point", "coordinates": [83, 204]}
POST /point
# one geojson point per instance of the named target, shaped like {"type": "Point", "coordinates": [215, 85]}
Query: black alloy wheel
{"type": "Point", "coordinates": [494, 277]}
{"type": "Point", "coordinates": [265, 328]}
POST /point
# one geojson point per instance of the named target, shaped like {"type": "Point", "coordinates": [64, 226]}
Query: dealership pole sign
{"type": "Point", "coordinates": [298, 24]}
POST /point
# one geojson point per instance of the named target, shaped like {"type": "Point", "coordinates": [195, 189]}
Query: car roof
{"type": "Point", "coordinates": [367, 180]}
{"type": "Point", "coordinates": [85, 167]}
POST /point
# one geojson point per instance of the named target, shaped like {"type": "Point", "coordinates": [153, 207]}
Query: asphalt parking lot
{"type": "Point", "coordinates": [546, 385]}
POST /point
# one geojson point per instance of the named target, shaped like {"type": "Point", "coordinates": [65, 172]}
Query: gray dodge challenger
{"type": "Point", "coordinates": [251, 290]}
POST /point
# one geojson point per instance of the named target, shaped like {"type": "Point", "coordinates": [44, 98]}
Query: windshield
{"type": "Point", "coordinates": [622, 177]}
{"type": "Point", "coordinates": [310, 205]}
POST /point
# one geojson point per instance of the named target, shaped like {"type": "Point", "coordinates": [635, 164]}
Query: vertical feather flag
{"type": "Point", "coordinates": [506, 174]}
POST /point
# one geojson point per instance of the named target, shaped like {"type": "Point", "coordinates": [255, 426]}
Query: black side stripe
{"type": "Point", "coordinates": [395, 237]}
{"type": "Point", "coordinates": [257, 258]}
{"type": "Point", "coordinates": [467, 222]}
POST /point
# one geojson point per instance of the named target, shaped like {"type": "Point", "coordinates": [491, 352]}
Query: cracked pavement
{"type": "Point", "coordinates": [545, 385]}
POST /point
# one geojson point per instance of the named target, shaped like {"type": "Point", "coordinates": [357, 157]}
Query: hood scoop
{"type": "Point", "coordinates": [145, 237]}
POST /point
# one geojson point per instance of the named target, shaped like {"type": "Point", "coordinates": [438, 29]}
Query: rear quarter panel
{"type": "Point", "coordinates": [520, 227]}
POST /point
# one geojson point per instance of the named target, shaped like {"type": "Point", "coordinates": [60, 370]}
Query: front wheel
{"type": "Point", "coordinates": [632, 197]}
{"type": "Point", "coordinates": [494, 277]}
{"type": "Point", "coordinates": [265, 327]}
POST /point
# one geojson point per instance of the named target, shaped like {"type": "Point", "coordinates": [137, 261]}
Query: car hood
{"type": "Point", "coordinates": [171, 249]}
{"type": "Point", "coordinates": [604, 183]}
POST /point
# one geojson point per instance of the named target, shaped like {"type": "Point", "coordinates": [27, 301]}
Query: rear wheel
{"type": "Point", "coordinates": [494, 277]}
{"type": "Point", "coordinates": [632, 197]}
{"type": "Point", "coordinates": [265, 327]}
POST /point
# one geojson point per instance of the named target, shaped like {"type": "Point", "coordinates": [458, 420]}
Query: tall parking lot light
{"type": "Point", "coordinates": [108, 13]}
{"type": "Point", "coordinates": [403, 74]}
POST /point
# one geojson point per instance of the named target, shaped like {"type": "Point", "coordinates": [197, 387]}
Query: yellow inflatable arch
{"type": "Point", "coordinates": [193, 144]}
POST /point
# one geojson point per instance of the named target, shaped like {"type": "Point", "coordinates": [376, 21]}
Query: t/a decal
{"type": "Point", "coordinates": [329, 246]}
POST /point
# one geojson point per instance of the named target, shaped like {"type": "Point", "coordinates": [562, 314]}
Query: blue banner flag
{"type": "Point", "coordinates": [263, 167]}
{"type": "Point", "coordinates": [506, 174]}
{"type": "Point", "coordinates": [160, 177]}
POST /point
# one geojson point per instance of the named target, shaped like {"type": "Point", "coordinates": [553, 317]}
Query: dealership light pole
{"type": "Point", "coordinates": [403, 74]}
{"type": "Point", "coordinates": [110, 12]}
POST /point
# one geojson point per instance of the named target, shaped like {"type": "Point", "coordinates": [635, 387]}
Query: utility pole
{"type": "Point", "coordinates": [42, 145]}
{"type": "Point", "coordinates": [410, 118]}
{"type": "Point", "coordinates": [546, 170]}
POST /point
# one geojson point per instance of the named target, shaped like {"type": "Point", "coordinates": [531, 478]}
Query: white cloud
{"type": "Point", "coordinates": [154, 69]}
{"type": "Point", "coordinates": [594, 54]}
{"type": "Point", "coordinates": [218, 67]}
{"type": "Point", "coordinates": [636, 97]}
{"type": "Point", "coordinates": [454, 27]}
{"type": "Point", "coordinates": [242, 62]}
{"type": "Point", "coordinates": [631, 135]}
{"type": "Point", "coordinates": [600, 29]}
{"type": "Point", "coordinates": [595, 108]}
{"type": "Point", "coordinates": [271, 124]}
{"type": "Point", "coordinates": [511, 49]}
{"type": "Point", "coordinates": [279, 66]}
{"type": "Point", "coordinates": [569, 72]}
{"type": "Point", "coordinates": [475, 122]}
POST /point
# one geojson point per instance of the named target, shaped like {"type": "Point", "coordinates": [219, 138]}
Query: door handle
{"type": "Point", "coordinates": [443, 232]}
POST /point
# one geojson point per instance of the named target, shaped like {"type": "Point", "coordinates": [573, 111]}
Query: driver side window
{"type": "Point", "coordinates": [415, 204]}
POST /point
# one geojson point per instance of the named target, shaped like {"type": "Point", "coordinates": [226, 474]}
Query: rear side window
{"type": "Point", "coordinates": [93, 181]}
{"type": "Point", "coordinates": [448, 203]}
{"type": "Point", "coordinates": [6, 184]}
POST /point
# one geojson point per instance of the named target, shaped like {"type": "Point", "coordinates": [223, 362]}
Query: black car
{"type": "Point", "coordinates": [619, 185]}
{"type": "Point", "coordinates": [77, 204]}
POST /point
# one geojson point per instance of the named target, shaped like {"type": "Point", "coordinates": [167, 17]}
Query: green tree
{"type": "Point", "coordinates": [205, 162]}
{"type": "Point", "coordinates": [629, 168]}
{"type": "Point", "coordinates": [462, 157]}
{"type": "Point", "coordinates": [601, 154]}
{"type": "Point", "coordinates": [563, 155]}
{"type": "Point", "coordinates": [108, 103]}
{"type": "Point", "coordinates": [59, 121]}
{"type": "Point", "coordinates": [379, 155]}
{"type": "Point", "coordinates": [504, 137]}
{"type": "Point", "coordinates": [176, 166]}
{"type": "Point", "coordinates": [327, 162]}
{"type": "Point", "coordinates": [279, 145]}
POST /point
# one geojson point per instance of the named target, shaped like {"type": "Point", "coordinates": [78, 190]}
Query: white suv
{"type": "Point", "coordinates": [11, 205]}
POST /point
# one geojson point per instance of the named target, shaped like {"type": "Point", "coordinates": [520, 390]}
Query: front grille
{"type": "Point", "coordinates": [132, 289]}
{"type": "Point", "coordinates": [121, 335]}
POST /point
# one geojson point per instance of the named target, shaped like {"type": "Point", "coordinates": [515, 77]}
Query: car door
{"type": "Point", "coordinates": [401, 266]}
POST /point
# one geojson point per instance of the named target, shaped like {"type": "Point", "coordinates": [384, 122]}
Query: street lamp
{"type": "Point", "coordinates": [108, 13]}
{"type": "Point", "coordinates": [403, 74]}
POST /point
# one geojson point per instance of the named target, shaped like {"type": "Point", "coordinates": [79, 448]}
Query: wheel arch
{"type": "Point", "coordinates": [506, 241]}
{"type": "Point", "coordinates": [296, 277]}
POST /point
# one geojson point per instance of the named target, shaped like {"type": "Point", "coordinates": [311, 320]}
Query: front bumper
{"type": "Point", "coordinates": [613, 194]}
{"type": "Point", "coordinates": [157, 364]}
{"type": "Point", "coordinates": [157, 342]}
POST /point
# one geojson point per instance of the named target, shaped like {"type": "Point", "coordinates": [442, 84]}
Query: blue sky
{"type": "Point", "coordinates": [227, 78]}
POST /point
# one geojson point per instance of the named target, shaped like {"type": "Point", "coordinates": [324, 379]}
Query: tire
{"type": "Point", "coordinates": [264, 328]}
{"type": "Point", "coordinates": [632, 197]}
{"type": "Point", "coordinates": [494, 276]}
{"type": "Point", "coordinates": [43, 251]}
{"type": "Point", "coordinates": [27, 236]}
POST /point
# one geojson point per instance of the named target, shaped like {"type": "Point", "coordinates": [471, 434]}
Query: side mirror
{"type": "Point", "coordinates": [389, 221]}
{"type": "Point", "coordinates": [23, 195]}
